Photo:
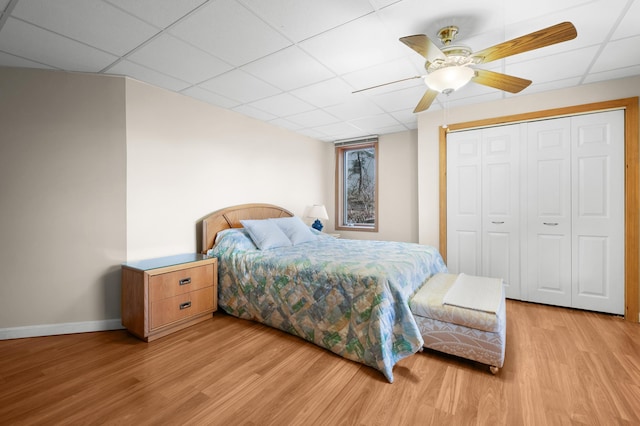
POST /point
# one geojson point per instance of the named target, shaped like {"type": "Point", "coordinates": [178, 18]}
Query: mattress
{"type": "Point", "coordinates": [348, 296]}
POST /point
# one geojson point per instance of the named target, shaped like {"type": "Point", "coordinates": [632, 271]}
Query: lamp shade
{"type": "Point", "coordinates": [448, 79]}
{"type": "Point", "coordinates": [318, 211]}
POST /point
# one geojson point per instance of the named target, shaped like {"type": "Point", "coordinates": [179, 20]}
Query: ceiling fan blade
{"type": "Point", "coordinates": [424, 46]}
{"type": "Point", "coordinates": [555, 34]}
{"type": "Point", "coordinates": [386, 84]}
{"type": "Point", "coordinates": [426, 101]}
{"type": "Point", "coordinates": [496, 80]}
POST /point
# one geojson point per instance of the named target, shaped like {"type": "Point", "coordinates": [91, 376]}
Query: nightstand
{"type": "Point", "coordinates": [163, 295]}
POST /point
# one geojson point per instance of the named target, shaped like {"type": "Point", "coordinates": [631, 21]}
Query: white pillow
{"type": "Point", "coordinates": [265, 234]}
{"type": "Point", "coordinates": [295, 229]}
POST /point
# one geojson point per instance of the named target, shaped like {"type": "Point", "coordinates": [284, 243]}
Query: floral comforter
{"type": "Point", "coordinates": [348, 296]}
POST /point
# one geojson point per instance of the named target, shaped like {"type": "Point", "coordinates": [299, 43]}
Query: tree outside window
{"type": "Point", "coordinates": [357, 187]}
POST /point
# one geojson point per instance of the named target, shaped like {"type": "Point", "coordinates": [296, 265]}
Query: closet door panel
{"type": "Point", "coordinates": [464, 182]}
{"type": "Point", "coordinates": [598, 211]}
{"type": "Point", "coordinates": [500, 206]}
{"type": "Point", "coordinates": [467, 258]}
{"type": "Point", "coordinates": [548, 228]}
{"type": "Point", "coordinates": [499, 254]}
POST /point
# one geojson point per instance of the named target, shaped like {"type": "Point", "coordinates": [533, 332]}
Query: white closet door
{"type": "Point", "coordinates": [500, 206]}
{"type": "Point", "coordinates": [548, 274]}
{"type": "Point", "coordinates": [598, 211]}
{"type": "Point", "coordinates": [464, 185]}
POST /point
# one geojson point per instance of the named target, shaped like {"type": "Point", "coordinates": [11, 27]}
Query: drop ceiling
{"type": "Point", "coordinates": [295, 63]}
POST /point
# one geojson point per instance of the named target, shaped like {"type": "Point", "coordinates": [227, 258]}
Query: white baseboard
{"type": "Point", "coordinates": [64, 328]}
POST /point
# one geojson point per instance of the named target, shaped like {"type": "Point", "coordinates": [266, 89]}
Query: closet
{"type": "Point", "coordinates": [541, 205]}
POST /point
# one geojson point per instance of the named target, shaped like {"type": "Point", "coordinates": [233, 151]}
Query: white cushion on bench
{"type": "Point", "coordinates": [428, 303]}
{"type": "Point", "coordinates": [467, 333]}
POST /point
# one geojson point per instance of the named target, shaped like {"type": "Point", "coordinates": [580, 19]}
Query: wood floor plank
{"type": "Point", "coordinates": [562, 366]}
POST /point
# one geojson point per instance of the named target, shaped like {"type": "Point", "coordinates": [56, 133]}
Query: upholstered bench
{"type": "Point", "coordinates": [470, 333]}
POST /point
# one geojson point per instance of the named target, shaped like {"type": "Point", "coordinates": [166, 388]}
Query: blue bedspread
{"type": "Point", "coordinates": [348, 296]}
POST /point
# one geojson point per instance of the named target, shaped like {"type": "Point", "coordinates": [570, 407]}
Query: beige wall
{"type": "Point", "coordinates": [397, 190]}
{"type": "Point", "coordinates": [62, 194]}
{"type": "Point", "coordinates": [97, 170]}
{"type": "Point", "coordinates": [186, 159]}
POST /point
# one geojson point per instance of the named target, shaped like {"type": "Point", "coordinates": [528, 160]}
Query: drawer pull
{"type": "Point", "coordinates": [185, 305]}
{"type": "Point", "coordinates": [495, 222]}
{"type": "Point", "coordinates": [550, 223]}
{"type": "Point", "coordinates": [185, 281]}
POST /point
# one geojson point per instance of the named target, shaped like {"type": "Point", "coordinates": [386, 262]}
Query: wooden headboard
{"type": "Point", "coordinates": [230, 217]}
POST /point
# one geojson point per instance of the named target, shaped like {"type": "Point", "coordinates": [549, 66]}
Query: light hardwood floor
{"type": "Point", "coordinates": [562, 366]}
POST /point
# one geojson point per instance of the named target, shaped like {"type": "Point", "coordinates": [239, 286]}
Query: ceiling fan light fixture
{"type": "Point", "coordinates": [448, 79]}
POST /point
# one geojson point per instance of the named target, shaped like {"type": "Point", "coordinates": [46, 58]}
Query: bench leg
{"type": "Point", "coordinates": [494, 370]}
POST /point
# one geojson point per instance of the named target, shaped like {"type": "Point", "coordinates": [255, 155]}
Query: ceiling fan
{"type": "Point", "coordinates": [449, 68]}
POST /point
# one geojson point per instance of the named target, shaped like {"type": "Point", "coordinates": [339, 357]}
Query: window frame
{"type": "Point", "coordinates": [340, 151]}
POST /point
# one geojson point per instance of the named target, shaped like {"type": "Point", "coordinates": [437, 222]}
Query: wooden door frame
{"type": "Point", "coordinates": [631, 182]}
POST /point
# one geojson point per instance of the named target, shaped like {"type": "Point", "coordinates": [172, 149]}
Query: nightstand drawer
{"type": "Point", "coordinates": [179, 282]}
{"type": "Point", "coordinates": [181, 306]}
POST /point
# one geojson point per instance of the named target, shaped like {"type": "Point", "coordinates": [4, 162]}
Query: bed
{"type": "Point", "coordinates": [348, 296]}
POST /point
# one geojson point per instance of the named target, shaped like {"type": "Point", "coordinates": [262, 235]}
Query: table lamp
{"type": "Point", "coordinates": [317, 212]}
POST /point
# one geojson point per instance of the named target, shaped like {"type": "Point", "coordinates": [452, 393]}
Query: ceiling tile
{"type": "Point", "coordinates": [7, 60]}
{"type": "Point", "coordinates": [613, 75]}
{"type": "Point", "coordinates": [289, 69]}
{"type": "Point", "coordinates": [515, 11]}
{"type": "Point", "coordinates": [241, 86]}
{"type": "Point", "coordinates": [382, 130]}
{"type": "Point", "coordinates": [379, 4]}
{"type": "Point", "coordinates": [16, 38]}
{"type": "Point", "coordinates": [555, 67]}
{"type": "Point", "coordinates": [545, 87]}
{"type": "Point", "coordinates": [385, 73]}
{"type": "Point", "coordinates": [128, 68]}
{"type": "Point", "coordinates": [94, 22]}
{"type": "Point", "coordinates": [448, 104]}
{"type": "Point", "coordinates": [315, 134]}
{"type": "Point", "coordinates": [622, 53]}
{"type": "Point", "coordinates": [630, 25]}
{"type": "Point", "coordinates": [210, 97]}
{"type": "Point", "coordinates": [376, 121]}
{"type": "Point", "coordinates": [176, 58]}
{"type": "Point", "coordinates": [283, 122]}
{"type": "Point", "coordinates": [329, 92]}
{"type": "Point", "coordinates": [301, 19]}
{"type": "Point", "coordinates": [160, 13]}
{"type": "Point", "coordinates": [313, 118]}
{"type": "Point", "coordinates": [410, 17]}
{"type": "Point", "coordinates": [400, 99]}
{"type": "Point", "coordinates": [282, 104]}
{"type": "Point", "coordinates": [237, 40]}
{"type": "Point", "coordinates": [357, 107]}
{"type": "Point", "coordinates": [254, 112]}
{"type": "Point", "coordinates": [406, 117]}
{"type": "Point", "coordinates": [341, 130]}
{"type": "Point", "coordinates": [590, 31]}
{"type": "Point", "coordinates": [354, 46]}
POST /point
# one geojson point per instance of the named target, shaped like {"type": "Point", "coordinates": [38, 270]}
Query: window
{"type": "Point", "coordinates": [357, 185]}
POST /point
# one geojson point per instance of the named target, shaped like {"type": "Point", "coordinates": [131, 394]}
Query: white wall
{"type": "Point", "coordinates": [62, 194]}
{"type": "Point", "coordinates": [428, 130]}
{"type": "Point", "coordinates": [186, 159]}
